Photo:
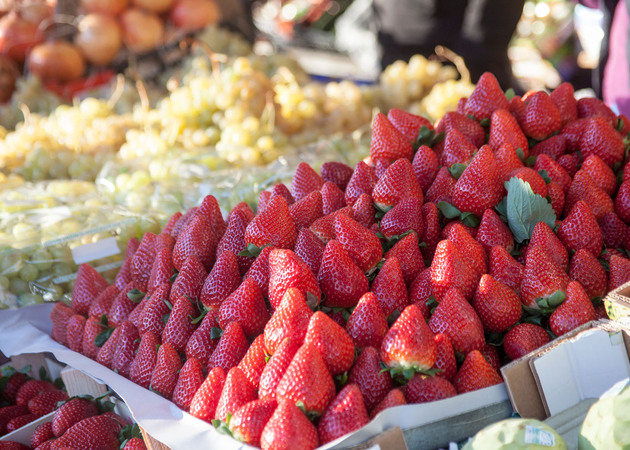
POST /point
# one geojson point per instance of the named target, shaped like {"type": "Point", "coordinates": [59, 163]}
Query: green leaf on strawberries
{"type": "Point", "coordinates": [525, 209]}
{"type": "Point", "coordinates": [135, 295]}
{"type": "Point", "coordinates": [174, 276]}
{"type": "Point", "coordinates": [427, 136]}
{"type": "Point", "coordinates": [216, 333]}
{"type": "Point", "coordinates": [251, 251]}
{"type": "Point", "coordinates": [530, 161]}
{"type": "Point", "coordinates": [521, 154]}
{"type": "Point", "coordinates": [509, 94]}
{"type": "Point", "coordinates": [457, 169]}
{"type": "Point", "coordinates": [102, 337]}
{"type": "Point", "coordinates": [501, 209]}
{"type": "Point", "coordinates": [449, 211]}
{"type": "Point", "coordinates": [469, 219]}
{"type": "Point", "coordinates": [545, 176]}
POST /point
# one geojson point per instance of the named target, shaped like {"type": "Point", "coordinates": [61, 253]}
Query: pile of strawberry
{"type": "Point", "coordinates": [437, 260]}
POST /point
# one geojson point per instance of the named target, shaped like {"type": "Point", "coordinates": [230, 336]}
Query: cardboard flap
{"type": "Point", "coordinates": [520, 383]}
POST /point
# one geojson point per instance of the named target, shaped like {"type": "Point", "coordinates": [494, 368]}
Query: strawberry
{"type": "Point", "coordinates": [613, 230]}
{"type": "Point", "coordinates": [449, 269]}
{"type": "Point", "coordinates": [287, 270]}
{"type": "Point", "coordinates": [544, 236]}
{"type": "Point", "coordinates": [234, 238]}
{"type": "Point", "coordinates": [8, 413]}
{"type": "Point", "coordinates": [12, 383]}
{"type": "Point", "coordinates": [121, 307]}
{"type": "Point", "coordinates": [471, 251]}
{"type": "Point", "coordinates": [601, 174]}
{"type": "Point", "coordinates": [288, 428]}
{"type": "Point", "coordinates": [307, 210]}
{"type": "Point", "coordinates": [246, 306]}
{"type": "Point", "coordinates": [290, 319]}
{"type": "Point", "coordinates": [276, 367]}
{"type": "Point", "coordinates": [74, 332]}
{"type": "Point", "coordinates": [367, 325]}
{"type": "Point", "coordinates": [333, 198]}
{"type": "Point", "coordinates": [407, 123]}
{"type": "Point", "coordinates": [273, 226]}
{"type": "Point", "coordinates": [254, 361]}
{"type": "Point", "coordinates": [397, 183]}
{"type": "Point", "coordinates": [162, 269]}
{"type": "Point", "coordinates": [407, 251]}
{"type": "Point", "coordinates": [305, 181]}
{"type": "Point", "coordinates": [432, 231]}
{"type": "Point", "coordinates": [556, 195]}
{"type": "Point", "coordinates": [263, 200]}
{"type": "Point", "coordinates": [18, 422]}
{"type": "Point", "coordinates": [363, 247]}
{"type": "Point", "coordinates": [569, 163]}
{"type": "Point", "coordinates": [198, 240]}
{"type": "Point", "coordinates": [405, 216]}
{"type": "Point", "coordinates": [422, 389]}
{"type": "Point", "coordinates": [507, 160]}
{"type": "Point", "coordinates": [144, 362]}
{"type": "Point", "coordinates": [373, 382]}
{"type": "Point", "coordinates": [457, 149]}
{"type": "Point", "coordinates": [622, 202]}
{"type": "Point", "coordinates": [389, 287]}
{"type": "Point", "coordinates": [281, 189]}
{"type": "Point", "coordinates": [180, 326]}
{"type": "Point", "coordinates": [363, 211]}
{"type": "Point", "coordinates": [479, 187]}
{"type": "Point", "coordinates": [324, 227]}
{"type": "Point", "coordinates": [533, 178]}
{"type": "Point", "coordinates": [310, 249]}
{"type": "Point", "coordinates": [362, 181]}
{"type": "Point", "coordinates": [584, 188]}
{"type": "Point", "coordinates": [204, 403]}
{"type": "Point", "coordinates": [409, 343]}
{"type": "Point", "coordinates": [135, 444]}
{"type": "Point", "coordinates": [497, 305]}
{"type": "Point", "coordinates": [184, 221]}
{"type": "Point", "coordinates": [42, 434]}
{"type": "Point", "coordinates": [493, 231]}
{"type": "Point", "coordinates": [106, 353]}
{"type": "Point", "coordinates": [442, 187]}
{"type": "Point", "coordinates": [594, 107]}
{"type": "Point", "coordinates": [259, 270]}
{"type": "Point", "coordinates": [126, 349]}
{"type": "Point", "coordinates": [190, 280]}
{"type": "Point", "coordinates": [420, 292]}
{"type": "Point", "coordinates": [142, 262]}
{"type": "Point", "coordinates": [342, 282]}
{"type": "Point", "coordinates": [45, 402]}
{"type": "Point", "coordinates": [103, 302]}
{"type": "Point", "coordinates": [90, 433]}
{"type": "Point", "coordinates": [486, 98]}
{"type": "Point", "coordinates": [544, 281]}
{"type": "Point", "coordinates": [505, 129]}
{"type": "Point", "coordinates": [425, 166]}
{"type": "Point", "coordinates": [523, 339]}
{"type": "Point", "coordinates": [155, 311]}
{"type": "Point", "coordinates": [31, 389]}
{"type": "Point", "coordinates": [467, 126]}
{"type": "Point", "coordinates": [619, 272]}
{"type": "Point", "coordinates": [205, 338]}
{"type": "Point", "coordinates": [210, 210]}
{"type": "Point", "coordinates": [580, 230]}
{"type": "Point", "coordinates": [601, 139]}
{"type": "Point", "coordinates": [388, 144]}
{"type": "Point", "coordinates": [134, 316]}
{"type": "Point", "coordinates": [87, 286]}
{"type": "Point", "coordinates": [71, 412]}
{"type": "Point", "coordinates": [332, 341]}
{"type": "Point", "coordinates": [573, 132]}
{"type": "Point", "coordinates": [345, 414]}
{"type": "Point", "coordinates": [505, 269]}
{"type": "Point", "coordinates": [249, 420]}
{"type": "Point", "coordinates": [576, 310]}
{"type": "Point", "coordinates": [162, 241]}
{"type": "Point", "coordinates": [541, 117]}
{"type": "Point", "coordinates": [586, 269]}
{"type": "Point", "coordinates": [553, 146]}
{"type": "Point", "coordinates": [307, 379]}
{"type": "Point", "coordinates": [475, 373]}
{"type": "Point", "coordinates": [164, 376]}
{"type": "Point", "coordinates": [231, 348]}
{"type": "Point", "coordinates": [168, 228]}
{"type": "Point", "coordinates": [395, 397]}
{"type": "Point", "coordinates": [189, 380]}
{"type": "Point", "coordinates": [554, 171]}
{"type": "Point", "coordinates": [222, 280]}
{"type": "Point", "coordinates": [564, 99]}
{"type": "Point", "coordinates": [337, 172]}
{"type": "Point", "coordinates": [445, 358]}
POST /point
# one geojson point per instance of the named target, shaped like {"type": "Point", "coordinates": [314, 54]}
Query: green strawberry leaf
{"type": "Point", "coordinates": [221, 427]}
{"type": "Point", "coordinates": [605, 264]}
{"type": "Point", "coordinates": [427, 136]}
{"type": "Point", "coordinates": [448, 210]}
{"type": "Point", "coordinates": [43, 375]}
{"type": "Point", "coordinates": [509, 94]}
{"type": "Point", "coordinates": [382, 208]}
{"type": "Point", "coordinates": [216, 333]}
{"type": "Point", "coordinates": [341, 380]}
{"type": "Point", "coordinates": [530, 161]}
{"type": "Point", "coordinates": [495, 339]}
{"type": "Point", "coordinates": [617, 165]}
{"type": "Point", "coordinates": [174, 276]}
{"type": "Point", "coordinates": [470, 219]}
{"type": "Point", "coordinates": [165, 317]}
{"type": "Point", "coordinates": [312, 301]}
{"type": "Point", "coordinates": [545, 176]}
{"type": "Point", "coordinates": [525, 209]}
{"type": "Point", "coordinates": [408, 373]}
{"type": "Point", "coordinates": [619, 125]}
{"type": "Point", "coordinates": [102, 337]}
{"type": "Point", "coordinates": [135, 295]}
{"type": "Point", "coordinates": [501, 209]}
{"type": "Point", "coordinates": [485, 122]}
{"type": "Point", "coordinates": [457, 169]}
{"type": "Point", "coordinates": [548, 304]}
{"type": "Point", "coordinates": [251, 251]}
{"type": "Point", "coordinates": [521, 154]}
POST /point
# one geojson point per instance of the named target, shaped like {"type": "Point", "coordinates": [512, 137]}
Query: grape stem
{"type": "Point", "coordinates": [215, 58]}
{"type": "Point", "coordinates": [118, 91]}
{"type": "Point", "coordinates": [458, 61]}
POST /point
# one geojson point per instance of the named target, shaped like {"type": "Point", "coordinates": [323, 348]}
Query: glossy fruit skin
{"type": "Point", "coordinates": [388, 144]}
{"type": "Point", "coordinates": [70, 413]}
{"type": "Point", "coordinates": [342, 282]}
{"type": "Point", "coordinates": [576, 310]}
{"type": "Point", "coordinates": [367, 325]}
{"type": "Point", "coordinates": [332, 341]}
{"type": "Point", "coordinates": [423, 389]}
{"type": "Point", "coordinates": [248, 422]}
{"type": "Point", "coordinates": [246, 306]}
{"type": "Point", "coordinates": [205, 401]}
{"type": "Point", "coordinates": [287, 270]}
{"type": "Point", "coordinates": [237, 391]}
{"type": "Point", "coordinates": [449, 270]}
{"type": "Point", "coordinates": [497, 305]}
{"type": "Point", "coordinates": [288, 428]}
{"type": "Point", "coordinates": [524, 338]}
{"type": "Point", "coordinates": [345, 414]}
{"type": "Point", "coordinates": [475, 373]}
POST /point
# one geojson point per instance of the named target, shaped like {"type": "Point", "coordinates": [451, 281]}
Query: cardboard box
{"type": "Point", "coordinates": [578, 366]}
{"type": "Point", "coordinates": [617, 302]}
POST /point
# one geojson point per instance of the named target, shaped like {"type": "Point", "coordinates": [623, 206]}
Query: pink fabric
{"type": "Point", "coordinates": [616, 82]}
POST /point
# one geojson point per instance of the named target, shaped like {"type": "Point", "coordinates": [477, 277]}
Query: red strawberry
{"type": "Point", "coordinates": [486, 98]}
{"type": "Point", "coordinates": [367, 325]}
{"type": "Point", "coordinates": [564, 100]}
{"type": "Point", "coordinates": [523, 339]}
{"type": "Point", "coordinates": [554, 171]}
{"type": "Point", "coordinates": [276, 366]}
{"type": "Point", "coordinates": [622, 202]}
{"type": "Point", "coordinates": [601, 139]}
{"type": "Point", "coordinates": [544, 236]}
{"type": "Point", "coordinates": [475, 373]}
{"type": "Point", "coordinates": [576, 310]}
{"type": "Point", "coordinates": [363, 247]}
{"type": "Point", "coordinates": [342, 282]}
{"type": "Point", "coordinates": [19, 422]}
{"type": "Point", "coordinates": [423, 389]}
{"type": "Point", "coordinates": [584, 188]}
{"type": "Point", "coordinates": [467, 126]}
{"type": "Point", "coordinates": [442, 187]}
{"type": "Point", "coordinates": [205, 338]}
{"type": "Point", "coordinates": [273, 226]}
{"type": "Point", "coordinates": [458, 320]}
{"type": "Point", "coordinates": [210, 210]}
{"type": "Point", "coordinates": [246, 306]}
{"type": "Point", "coordinates": [254, 361]}
{"type": "Point", "coordinates": [231, 348]}
{"type": "Point", "coordinates": [310, 249]}
{"type": "Point", "coordinates": [407, 251]}
{"type": "Point", "coordinates": [594, 107]}
{"type": "Point", "coordinates": [142, 262]}
{"type": "Point", "coordinates": [164, 377]}
{"type": "Point", "coordinates": [10, 412]}
{"type": "Point", "coordinates": [46, 402]}
{"type": "Point", "coordinates": [180, 324]}
{"type": "Point", "coordinates": [189, 380]}
{"type": "Point", "coordinates": [307, 379]}
{"type": "Point", "coordinates": [397, 183]}
{"type": "Point", "coordinates": [556, 195]}
{"type": "Point", "coordinates": [259, 270]}
{"type": "Point", "coordinates": [362, 182]}
{"type": "Point", "coordinates": [497, 305]}
{"type": "Point", "coordinates": [433, 229]}
{"type": "Point", "coordinates": [613, 230]}
{"type": "Point", "coordinates": [573, 131]}
{"type": "Point", "coordinates": [121, 307]}
{"type": "Point", "coordinates": [345, 414]}
{"type": "Point", "coordinates": [162, 241]}
{"type": "Point", "coordinates": [144, 362]}
{"type": "Point", "coordinates": [373, 382]}
{"type": "Point", "coordinates": [492, 231]}
{"type": "Point", "coordinates": [479, 187]}
{"type": "Point", "coordinates": [135, 444]}
{"type": "Point", "coordinates": [189, 281]}
{"type": "Point", "coordinates": [388, 144]}
{"type": "Point", "coordinates": [162, 269]}
{"type": "Point", "coordinates": [184, 221]}
{"type": "Point", "coordinates": [42, 434]}
{"type": "Point", "coordinates": [543, 280]}
{"type": "Point", "coordinates": [471, 251]}
{"type": "Point", "coordinates": [541, 117]}
{"type": "Point", "coordinates": [445, 358]}
{"type": "Point", "coordinates": [71, 412]}
{"type": "Point", "coordinates": [425, 166]}
{"type": "Point", "coordinates": [88, 285]}
{"type": "Point", "coordinates": [249, 420]}
{"type": "Point", "coordinates": [198, 240]}
{"type": "Point", "coordinates": [504, 268]}
{"type": "Point", "coordinates": [205, 401]}
{"type": "Point", "coordinates": [337, 172]}
{"type": "Point", "coordinates": [263, 200]}
{"type": "Point", "coordinates": [125, 349]}
{"type": "Point", "coordinates": [74, 332]}
{"type": "Point", "coordinates": [586, 269]}
{"type": "Point", "coordinates": [103, 302]}
{"type": "Point", "coordinates": [363, 211]}
{"type": "Point", "coordinates": [580, 230]}
{"type": "Point", "coordinates": [407, 123]}
{"type": "Point", "coordinates": [290, 319]}
{"type": "Point", "coordinates": [12, 384]}
{"type": "Point", "coordinates": [31, 389]}
{"type": "Point", "coordinates": [168, 228]}
{"type": "Point", "coordinates": [288, 428]}
{"type": "Point", "coordinates": [457, 149]}
{"type": "Point", "coordinates": [536, 182]}
{"type": "Point", "coordinates": [222, 280]}
{"type": "Point", "coordinates": [449, 269]}
{"type": "Point", "coordinates": [389, 287]}
{"type": "Point", "coordinates": [601, 174]}
{"type": "Point", "coordinates": [94, 432]}
{"type": "Point", "coordinates": [405, 216]}
{"type": "Point", "coordinates": [324, 227]}
{"type": "Point", "coordinates": [154, 313]}
{"type": "Point", "coordinates": [333, 198]}
{"type": "Point", "coordinates": [106, 353]}
{"type": "Point", "coordinates": [308, 210]}
{"type": "Point", "coordinates": [409, 343]}
{"type": "Point", "coordinates": [505, 129]}
{"type": "Point", "coordinates": [507, 160]}
{"type": "Point", "coordinates": [286, 270]}
{"type": "Point", "coordinates": [420, 291]}
{"type": "Point", "coordinates": [619, 272]}
{"type": "Point", "coordinates": [553, 146]}
{"type": "Point", "coordinates": [569, 163]}
{"type": "Point", "coordinates": [395, 397]}
{"type": "Point", "coordinates": [491, 354]}
{"type": "Point", "coordinates": [305, 181]}
{"type": "Point", "coordinates": [281, 189]}
{"type": "Point", "coordinates": [234, 238]}
{"type": "Point", "coordinates": [332, 341]}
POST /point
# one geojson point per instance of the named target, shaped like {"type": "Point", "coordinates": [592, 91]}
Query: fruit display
{"type": "Point", "coordinates": [413, 276]}
{"type": "Point", "coordinates": [517, 433]}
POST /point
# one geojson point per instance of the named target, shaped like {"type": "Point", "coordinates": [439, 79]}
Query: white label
{"type": "Point", "coordinates": [538, 436]}
{"type": "Point", "coordinates": [96, 250]}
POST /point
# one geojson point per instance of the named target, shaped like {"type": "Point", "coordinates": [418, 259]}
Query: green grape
{"type": "Point", "coordinates": [60, 253]}
{"type": "Point", "coordinates": [29, 272]}
{"type": "Point", "coordinates": [12, 264]}
{"type": "Point", "coordinates": [41, 259]}
{"type": "Point", "coordinates": [18, 286]}
{"type": "Point", "coordinates": [28, 299]}
{"type": "Point", "coordinates": [61, 269]}
{"type": "Point", "coordinates": [4, 282]}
